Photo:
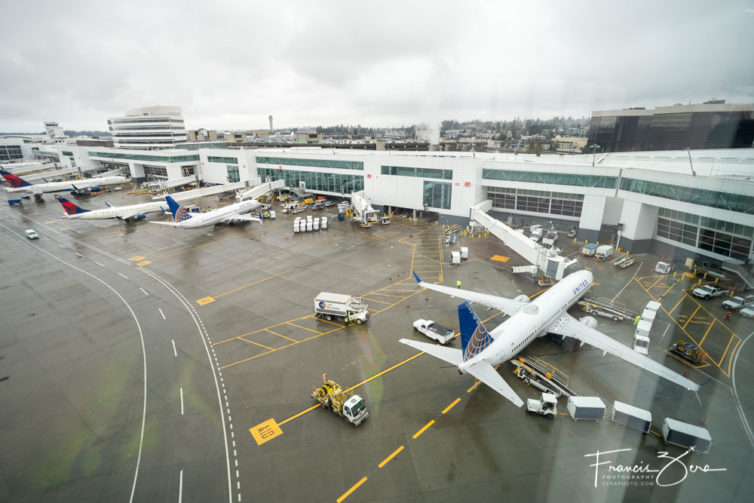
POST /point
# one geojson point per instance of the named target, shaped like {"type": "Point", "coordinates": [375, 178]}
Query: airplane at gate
{"type": "Point", "coordinates": [481, 350]}
{"type": "Point", "coordinates": [127, 213]}
{"type": "Point", "coordinates": [183, 219]}
{"type": "Point", "coordinates": [18, 184]}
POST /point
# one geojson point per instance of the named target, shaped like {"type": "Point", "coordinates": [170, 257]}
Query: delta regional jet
{"type": "Point", "coordinates": [184, 219]}
{"type": "Point", "coordinates": [18, 184]}
{"type": "Point", "coordinates": [127, 213]}
{"type": "Point", "coordinates": [481, 350]}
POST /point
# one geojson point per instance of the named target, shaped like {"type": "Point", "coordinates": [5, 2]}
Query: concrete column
{"type": "Point", "coordinates": [591, 218]}
{"type": "Point", "coordinates": [639, 222]}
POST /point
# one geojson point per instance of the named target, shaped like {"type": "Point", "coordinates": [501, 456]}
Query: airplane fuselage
{"type": "Point", "coordinates": [219, 215]}
{"type": "Point", "coordinates": [132, 210]}
{"type": "Point", "coordinates": [49, 187]}
{"type": "Point", "coordinates": [532, 320]}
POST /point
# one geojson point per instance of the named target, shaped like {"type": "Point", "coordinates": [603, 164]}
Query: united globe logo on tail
{"type": "Point", "coordinates": [474, 337]}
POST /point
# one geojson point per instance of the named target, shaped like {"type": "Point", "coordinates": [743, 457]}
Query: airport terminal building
{"type": "Point", "coordinates": [678, 203]}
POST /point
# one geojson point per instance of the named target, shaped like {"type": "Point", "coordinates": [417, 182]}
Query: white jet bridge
{"type": "Point", "coordinates": [546, 261]}
{"type": "Point", "coordinates": [260, 190]}
{"type": "Point", "coordinates": [362, 209]}
{"type": "Point", "coordinates": [207, 191]}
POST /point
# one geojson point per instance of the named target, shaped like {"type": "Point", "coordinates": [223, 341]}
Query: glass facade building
{"type": "Point", "coordinates": [10, 152]}
{"type": "Point", "coordinates": [716, 236]}
{"type": "Point", "coordinates": [314, 180]}
{"type": "Point", "coordinates": [437, 195]}
{"type": "Point", "coordinates": [551, 203]}
{"type": "Point", "coordinates": [442, 174]}
{"type": "Point", "coordinates": [145, 157]}
{"type": "Point", "coordinates": [600, 181]}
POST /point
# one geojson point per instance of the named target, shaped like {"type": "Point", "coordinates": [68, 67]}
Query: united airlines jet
{"type": "Point", "coordinates": [184, 219]}
{"type": "Point", "coordinates": [481, 350]}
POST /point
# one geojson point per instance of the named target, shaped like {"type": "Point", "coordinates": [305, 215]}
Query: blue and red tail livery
{"type": "Point", "coordinates": [71, 208]}
{"type": "Point", "coordinates": [13, 180]}
{"type": "Point", "coordinates": [474, 337]}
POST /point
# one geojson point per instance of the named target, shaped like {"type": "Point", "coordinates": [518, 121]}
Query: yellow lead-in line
{"type": "Point", "coordinates": [252, 284]}
{"type": "Point", "coordinates": [426, 426]}
{"type": "Point", "coordinates": [453, 404]}
{"type": "Point", "coordinates": [387, 459]}
{"type": "Point", "coordinates": [352, 489]}
{"type": "Point", "coordinates": [281, 423]}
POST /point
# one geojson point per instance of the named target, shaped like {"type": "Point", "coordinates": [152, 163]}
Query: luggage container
{"type": "Point", "coordinates": [315, 224]}
{"type": "Point", "coordinates": [586, 407]}
{"type": "Point", "coordinates": [323, 223]}
{"type": "Point", "coordinates": [649, 315]}
{"type": "Point", "coordinates": [632, 417]}
{"type": "Point", "coordinates": [653, 306]}
{"type": "Point", "coordinates": [686, 435]}
{"type": "Point", "coordinates": [455, 258]}
{"type": "Point", "coordinates": [464, 253]}
{"type": "Point", "coordinates": [643, 328]}
{"type": "Point", "coordinates": [589, 250]}
{"type": "Point", "coordinates": [296, 223]}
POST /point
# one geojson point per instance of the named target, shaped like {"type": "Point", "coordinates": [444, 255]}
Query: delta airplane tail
{"type": "Point", "coordinates": [180, 214]}
{"type": "Point", "coordinates": [14, 180]}
{"type": "Point", "coordinates": [70, 207]}
{"type": "Point", "coordinates": [474, 337]}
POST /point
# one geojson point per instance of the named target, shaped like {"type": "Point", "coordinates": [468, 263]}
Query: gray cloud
{"type": "Point", "coordinates": [231, 64]}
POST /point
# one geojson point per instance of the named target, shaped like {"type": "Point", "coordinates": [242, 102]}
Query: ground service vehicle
{"type": "Point", "coordinates": [549, 239]}
{"type": "Point", "coordinates": [688, 351]}
{"type": "Point", "coordinates": [686, 435]}
{"type": "Point", "coordinates": [536, 233]}
{"type": "Point", "coordinates": [330, 306]}
{"type": "Point", "coordinates": [546, 405]}
{"type": "Point", "coordinates": [31, 234]}
{"type": "Point", "coordinates": [664, 268]}
{"type": "Point", "coordinates": [434, 331]}
{"type": "Point", "coordinates": [708, 291]}
{"type": "Point", "coordinates": [737, 302]}
{"type": "Point", "coordinates": [343, 403]}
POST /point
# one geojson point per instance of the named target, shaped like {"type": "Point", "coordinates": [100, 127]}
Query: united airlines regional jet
{"type": "Point", "coordinates": [481, 350]}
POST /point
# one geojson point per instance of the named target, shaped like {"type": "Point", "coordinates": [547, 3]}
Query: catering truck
{"type": "Point", "coordinates": [329, 306]}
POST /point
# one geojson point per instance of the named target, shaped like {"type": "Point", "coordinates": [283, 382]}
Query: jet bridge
{"type": "Point", "coordinates": [548, 261]}
{"type": "Point", "coordinates": [207, 191]}
{"type": "Point", "coordinates": [363, 211]}
{"type": "Point", "coordinates": [261, 190]}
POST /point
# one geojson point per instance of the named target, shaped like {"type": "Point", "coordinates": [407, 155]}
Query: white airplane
{"type": "Point", "coordinates": [18, 184]}
{"type": "Point", "coordinates": [127, 213]}
{"type": "Point", "coordinates": [184, 219]}
{"type": "Point", "coordinates": [528, 320]}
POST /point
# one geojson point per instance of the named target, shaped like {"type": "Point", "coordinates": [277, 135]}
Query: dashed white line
{"type": "Point", "coordinates": [122, 275]}
{"type": "Point", "coordinates": [175, 353]}
{"type": "Point", "coordinates": [236, 473]}
{"type": "Point", "coordinates": [181, 400]}
{"type": "Point", "coordinates": [180, 486]}
{"type": "Point", "coordinates": [101, 265]}
{"type": "Point", "coordinates": [163, 314]}
{"type": "Point", "coordinates": [144, 291]}
{"type": "Point", "coordinates": [236, 461]}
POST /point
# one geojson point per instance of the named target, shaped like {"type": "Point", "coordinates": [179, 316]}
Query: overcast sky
{"type": "Point", "coordinates": [384, 63]}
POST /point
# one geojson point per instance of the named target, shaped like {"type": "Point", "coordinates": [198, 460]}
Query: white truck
{"type": "Point", "coordinates": [664, 267]}
{"type": "Point", "coordinates": [546, 406]}
{"type": "Point", "coordinates": [549, 239]}
{"type": "Point", "coordinates": [536, 233]}
{"type": "Point", "coordinates": [434, 331]}
{"type": "Point", "coordinates": [708, 291]}
{"type": "Point", "coordinates": [329, 306]}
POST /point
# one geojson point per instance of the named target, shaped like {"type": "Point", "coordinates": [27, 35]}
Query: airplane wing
{"type": "Point", "coordinates": [450, 355]}
{"type": "Point", "coordinates": [489, 376]}
{"type": "Point", "coordinates": [241, 218]}
{"type": "Point", "coordinates": [508, 306]}
{"type": "Point", "coordinates": [569, 326]}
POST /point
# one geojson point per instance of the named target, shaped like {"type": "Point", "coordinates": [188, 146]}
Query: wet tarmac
{"type": "Point", "coordinates": [138, 360]}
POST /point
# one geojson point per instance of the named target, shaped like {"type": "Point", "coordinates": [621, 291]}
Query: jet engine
{"type": "Point", "coordinates": [522, 298]}
{"type": "Point", "coordinates": [589, 321]}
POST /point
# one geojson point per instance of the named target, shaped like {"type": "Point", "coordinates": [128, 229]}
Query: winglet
{"type": "Point", "coordinates": [71, 208]}
{"type": "Point", "coordinates": [108, 204]}
{"type": "Point", "coordinates": [416, 277]}
{"type": "Point", "coordinates": [474, 337]}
